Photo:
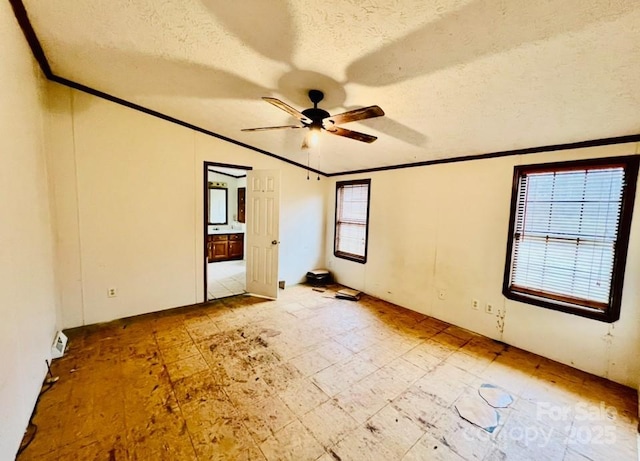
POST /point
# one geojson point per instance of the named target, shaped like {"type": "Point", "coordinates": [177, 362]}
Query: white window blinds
{"type": "Point", "coordinates": [352, 203]}
{"type": "Point", "coordinates": [565, 233]}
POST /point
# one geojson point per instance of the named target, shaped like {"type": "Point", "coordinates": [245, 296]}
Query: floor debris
{"type": "Point", "coordinates": [348, 293]}
{"type": "Point", "coordinates": [494, 396]}
{"type": "Point", "coordinates": [477, 412]}
{"type": "Point", "coordinates": [481, 412]}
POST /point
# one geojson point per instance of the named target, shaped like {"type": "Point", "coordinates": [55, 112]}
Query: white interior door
{"type": "Point", "coordinates": [263, 218]}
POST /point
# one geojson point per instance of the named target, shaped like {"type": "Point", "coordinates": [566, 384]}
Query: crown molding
{"type": "Point", "coordinates": [505, 153]}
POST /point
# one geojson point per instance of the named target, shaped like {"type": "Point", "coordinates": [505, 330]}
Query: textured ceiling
{"type": "Point", "coordinates": [455, 77]}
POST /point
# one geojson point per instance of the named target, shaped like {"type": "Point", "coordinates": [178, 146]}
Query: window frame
{"type": "Point", "coordinates": [343, 254]}
{"type": "Point", "coordinates": [612, 312]}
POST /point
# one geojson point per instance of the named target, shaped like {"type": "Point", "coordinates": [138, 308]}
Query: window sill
{"type": "Point", "coordinates": [609, 316]}
{"type": "Point", "coordinates": [350, 257]}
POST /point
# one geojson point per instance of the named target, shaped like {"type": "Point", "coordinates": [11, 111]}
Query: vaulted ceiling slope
{"type": "Point", "coordinates": [456, 78]}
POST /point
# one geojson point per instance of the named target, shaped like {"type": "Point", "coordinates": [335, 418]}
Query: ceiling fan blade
{"type": "Point", "coordinates": [357, 114]}
{"type": "Point", "coordinates": [287, 108]}
{"type": "Point", "coordinates": [265, 128]}
{"type": "Point", "coordinates": [352, 134]}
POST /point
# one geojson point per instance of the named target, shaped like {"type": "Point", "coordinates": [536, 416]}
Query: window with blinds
{"type": "Point", "coordinates": [352, 220]}
{"type": "Point", "coordinates": [568, 235]}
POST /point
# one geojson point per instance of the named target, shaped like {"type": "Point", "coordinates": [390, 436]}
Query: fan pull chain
{"type": "Point", "coordinates": [308, 163]}
{"type": "Point", "coordinates": [318, 167]}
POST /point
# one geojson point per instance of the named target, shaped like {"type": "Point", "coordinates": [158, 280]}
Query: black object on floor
{"type": "Point", "coordinates": [319, 277]}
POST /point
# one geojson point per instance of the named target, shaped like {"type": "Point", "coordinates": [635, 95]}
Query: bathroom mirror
{"type": "Point", "coordinates": [218, 205]}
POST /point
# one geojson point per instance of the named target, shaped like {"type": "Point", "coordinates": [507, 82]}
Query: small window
{"type": "Point", "coordinates": [352, 220]}
{"type": "Point", "coordinates": [568, 235]}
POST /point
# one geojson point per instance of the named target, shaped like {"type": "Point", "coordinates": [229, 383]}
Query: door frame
{"type": "Point", "coordinates": [205, 214]}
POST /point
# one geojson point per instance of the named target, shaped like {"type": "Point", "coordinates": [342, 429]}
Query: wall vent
{"type": "Point", "coordinates": [59, 345]}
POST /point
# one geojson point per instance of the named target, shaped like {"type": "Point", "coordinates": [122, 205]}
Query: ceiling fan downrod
{"type": "Point", "coordinates": [316, 96]}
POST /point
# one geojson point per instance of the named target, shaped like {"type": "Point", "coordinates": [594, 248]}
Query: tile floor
{"type": "Point", "coordinates": [310, 377]}
{"type": "Point", "coordinates": [226, 278]}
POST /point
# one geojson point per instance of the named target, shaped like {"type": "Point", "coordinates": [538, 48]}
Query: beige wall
{"type": "Point", "coordinates": [27, 285]}
{"type": "Point", "coordinates": [129, 206]}
{"type": "Point", "coordinates": [444, 227]}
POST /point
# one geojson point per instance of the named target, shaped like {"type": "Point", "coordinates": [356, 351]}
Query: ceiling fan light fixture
{"type": "Point", "coordinates": [314, 136]}
{"type": "Point", "coordinates": [311, 138]}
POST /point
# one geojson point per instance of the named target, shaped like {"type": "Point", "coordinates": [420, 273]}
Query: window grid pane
{"type": "Point", "coordinates": [565, 232]}
{"type": "Point", "coordinates": [351, 238]}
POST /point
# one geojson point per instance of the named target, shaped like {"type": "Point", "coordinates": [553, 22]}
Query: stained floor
{"type": "Point", "coordinates": [310, 377]}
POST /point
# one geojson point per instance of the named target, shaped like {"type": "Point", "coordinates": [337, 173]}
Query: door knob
{"type": "Point", "coordinates": [274, 242]}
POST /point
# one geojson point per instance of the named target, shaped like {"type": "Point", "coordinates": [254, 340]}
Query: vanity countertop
{"type": "Point", "coordinates": [225, 231]}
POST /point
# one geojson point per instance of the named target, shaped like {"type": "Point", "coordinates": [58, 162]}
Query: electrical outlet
{"type": "Point", "coordinates": [475, 304]}
{"type": "Point", "coordinates": [489, 309]}
{"type": "Point", "coordinates": [442, 294]}
{"type": "Point", "coordinates": [112, 292]}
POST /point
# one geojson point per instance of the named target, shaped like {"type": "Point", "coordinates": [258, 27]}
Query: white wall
{"type": "Point", "coordinates": [129, 206]}
{"type": "Point", "coordinates": [444, 227]}
{"type": "Point", "coordinates": [27, 285]}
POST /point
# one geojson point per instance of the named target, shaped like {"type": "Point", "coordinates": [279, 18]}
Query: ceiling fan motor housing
{"type": "Point", "coordinates": [316, 116]}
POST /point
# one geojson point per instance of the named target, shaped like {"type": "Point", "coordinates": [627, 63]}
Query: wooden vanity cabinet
{"type": "Point", "coordinates": [225, 247]}
{"type": "Point", "coordinates": [220, 248]}
{"type": "Point", "coordinates": [241, 203]}
{"type": "Point", "coordinates": [236, 246]}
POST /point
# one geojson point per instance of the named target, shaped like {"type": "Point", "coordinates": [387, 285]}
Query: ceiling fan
{"type": "Point", "coordinates": [318, 119]}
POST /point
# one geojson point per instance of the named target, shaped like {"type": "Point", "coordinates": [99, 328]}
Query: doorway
{"type": "Point", "coordinates": [224, 230]}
